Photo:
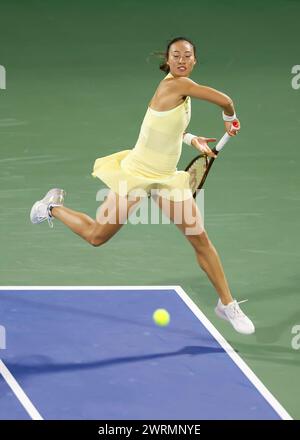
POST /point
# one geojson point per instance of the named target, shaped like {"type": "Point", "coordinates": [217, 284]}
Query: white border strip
{"type": "Point", "coordinates": [88, 287]}
{"type": "Point", "coordinates": [19, 393]}
{"type": "Point", "coordinates": [234, 356]}
{"type": "Point", "coordinates": [197, 312]}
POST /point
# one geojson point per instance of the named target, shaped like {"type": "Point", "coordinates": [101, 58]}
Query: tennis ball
{"type": "Point", "coordinates": [161, 317]}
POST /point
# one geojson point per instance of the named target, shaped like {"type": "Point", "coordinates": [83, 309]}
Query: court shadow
{"type": "Point", "coordinates": [42, 365]}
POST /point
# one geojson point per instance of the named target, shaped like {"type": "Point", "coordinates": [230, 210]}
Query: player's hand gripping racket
{"type": "Point", "coordinates": [199, 167]}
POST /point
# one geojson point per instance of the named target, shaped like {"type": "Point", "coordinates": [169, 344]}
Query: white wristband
{"type": "Point", "coordinates": [228, 118]}
{"type": "Point", "coordinates": [188, 137]}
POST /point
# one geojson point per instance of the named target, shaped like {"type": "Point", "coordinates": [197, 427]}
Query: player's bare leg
{"type": "Point", "coordinates": [192, 228]}
{"type": "Point", "coordinates": [111, 216]}
{"type": "Point", "coordinates": [187, 218]}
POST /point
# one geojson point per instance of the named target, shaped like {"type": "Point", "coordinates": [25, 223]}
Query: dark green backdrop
{"type": "Point", "coordinates": [79, 79]}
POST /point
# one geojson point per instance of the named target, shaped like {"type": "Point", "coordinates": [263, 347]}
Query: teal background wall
{"type": "Point", "coordinates": [79, 78]}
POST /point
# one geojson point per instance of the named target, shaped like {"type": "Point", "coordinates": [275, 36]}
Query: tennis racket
{"type": "Point", "coordinates": [199, 167]}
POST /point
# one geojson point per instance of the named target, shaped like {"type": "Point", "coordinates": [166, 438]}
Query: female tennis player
{"type": "Point", "coordinates": [151, 166]}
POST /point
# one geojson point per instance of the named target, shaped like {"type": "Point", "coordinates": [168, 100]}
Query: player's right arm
{"type": "Point", "coordinates": [187, 87]}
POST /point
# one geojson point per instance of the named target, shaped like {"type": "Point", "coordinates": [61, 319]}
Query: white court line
{"type": "Point", "coordinates": [199, 314]}
{"type": "Point", "coordinates": [234, 356]}
{"type": "Point", "coordinates": [19, 393]}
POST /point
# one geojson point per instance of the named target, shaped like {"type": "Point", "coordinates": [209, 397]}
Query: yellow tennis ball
{"type": "Point", "coordinates": [161, 317]}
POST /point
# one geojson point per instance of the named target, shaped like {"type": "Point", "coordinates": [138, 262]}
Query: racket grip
{"type": "Point", "coordinates": [225, 138]}
{"type": "Point", "coordinates": [222, 142]}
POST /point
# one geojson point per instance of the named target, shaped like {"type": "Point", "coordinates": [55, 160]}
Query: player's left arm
{"type": "Point", "coordinates": [201, 144]}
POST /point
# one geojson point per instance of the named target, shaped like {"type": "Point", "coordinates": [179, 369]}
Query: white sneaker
{"type": "Point", "coordinates": [232, 313]}
{"type": "Point", "coordinates": [41, 210]}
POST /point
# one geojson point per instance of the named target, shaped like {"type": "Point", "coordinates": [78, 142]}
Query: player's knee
{"type": "Point", "coordinates": [97, 241]}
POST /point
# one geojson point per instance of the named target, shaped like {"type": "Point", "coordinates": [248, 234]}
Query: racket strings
{"type": "Point", "coordinates": [197, 171]}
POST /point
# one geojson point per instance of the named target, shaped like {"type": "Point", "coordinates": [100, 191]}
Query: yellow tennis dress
{"type": "Point", "coordinates": [152, 163]}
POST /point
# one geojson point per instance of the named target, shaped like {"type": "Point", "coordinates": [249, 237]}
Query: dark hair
{"type": "Point", "coordinates": [164, 66]}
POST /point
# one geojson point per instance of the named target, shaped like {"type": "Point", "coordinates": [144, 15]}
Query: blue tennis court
{"type": "Point", "coordinates": [95, 353]}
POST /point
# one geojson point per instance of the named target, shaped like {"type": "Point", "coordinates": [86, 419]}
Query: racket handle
{"type": "Point", "coordinates": [222, 142]}
{"type": "Point", "coordinates": [225, 138]}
